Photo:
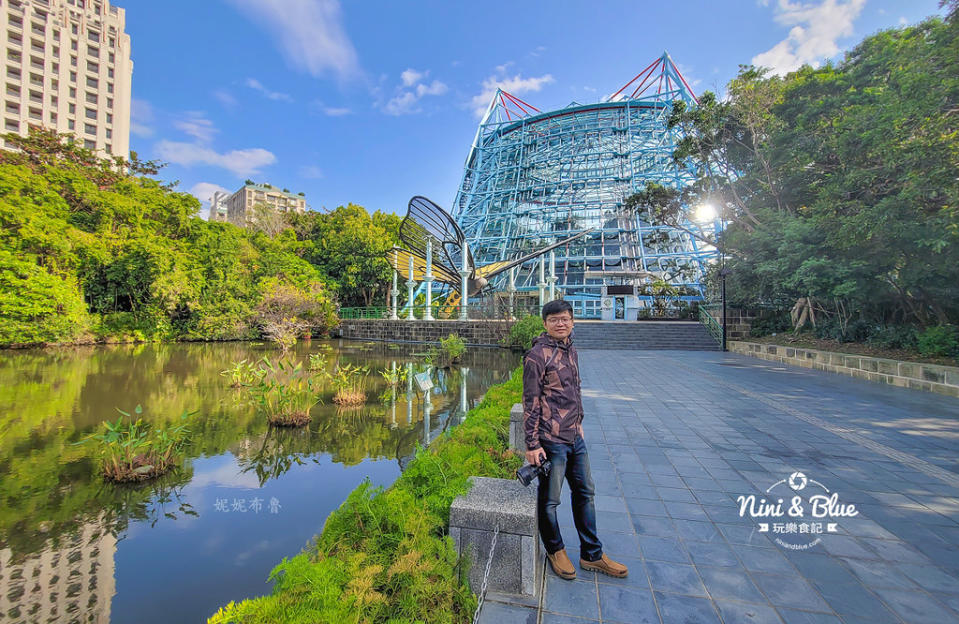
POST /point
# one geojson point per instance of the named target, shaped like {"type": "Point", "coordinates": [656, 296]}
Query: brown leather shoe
{"type": "Point", "coordinates": [605, 565]}
{"type": "Point", "coordinates": [561, 565]}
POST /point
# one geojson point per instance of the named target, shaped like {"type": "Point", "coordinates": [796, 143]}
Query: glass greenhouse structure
{"type": "Point", "coordinates": [533, 178]}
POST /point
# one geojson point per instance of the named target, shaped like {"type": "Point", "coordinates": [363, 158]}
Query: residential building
{"type": "Point", "coordinates": [71, 579]}
{"type": "Point", "coordinates": [218, 206]}
{"type": "Point", "coordinates": [66, 66]}
{"type": "Point", "coordinates": [240, 205]}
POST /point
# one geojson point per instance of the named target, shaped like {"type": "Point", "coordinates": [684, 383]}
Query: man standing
{"type": "Point", "coordinates": [553, 422]}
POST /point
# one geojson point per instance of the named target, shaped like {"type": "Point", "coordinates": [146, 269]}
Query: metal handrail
{"type": "Point", "coordinates": [443, 311]}
{"type": "Point", "coordinates": [710, 323]}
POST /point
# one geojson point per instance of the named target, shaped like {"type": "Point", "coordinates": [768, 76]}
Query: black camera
{"type": "Point", "coordinates": [527, 473]}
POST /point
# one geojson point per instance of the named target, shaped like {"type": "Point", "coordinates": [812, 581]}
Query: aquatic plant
{"type": "Point", "coordinates": [136, 451]}
{"type": "Point", "coordinates": [284, 392]}
{"type": "Point", "coordinates": [522, 332]}
{"type": "Point", "coordinates": [394, 376]}
{"type": "Point", "coordinates": [317, 362]}
{"type": "Point", "coordinates": [349, 382]}
{"type": "Point", "coordinates": [451, 349]}
{"type": "Point", "coordinates": [243, 373]}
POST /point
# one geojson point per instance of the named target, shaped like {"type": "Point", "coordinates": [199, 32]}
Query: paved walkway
{"type": "Point", "coordinates": [675, 437]}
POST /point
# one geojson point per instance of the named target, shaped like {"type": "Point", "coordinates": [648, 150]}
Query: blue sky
{"type": "Point", "coordinates": [374, 101]}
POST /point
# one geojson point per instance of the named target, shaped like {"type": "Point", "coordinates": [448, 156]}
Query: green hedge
{"type": "Point", "coordinates": [385, 555]}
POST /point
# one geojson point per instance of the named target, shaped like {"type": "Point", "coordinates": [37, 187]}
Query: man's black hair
{"type": "Point", "coordinates": [557, 306]}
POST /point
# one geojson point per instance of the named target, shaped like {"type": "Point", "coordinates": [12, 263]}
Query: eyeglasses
{"type": "Point", "coordinates": [560, 321]}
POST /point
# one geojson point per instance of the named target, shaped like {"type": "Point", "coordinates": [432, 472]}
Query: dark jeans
{"type": "Point", "coordinates": [572, 462]}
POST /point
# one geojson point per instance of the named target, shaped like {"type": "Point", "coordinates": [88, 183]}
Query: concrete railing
{"type": "Point", "coordinates": [915, 375]}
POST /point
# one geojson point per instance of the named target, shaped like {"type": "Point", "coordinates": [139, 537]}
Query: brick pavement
{"type": "Point", "coordinates": [674, 437]}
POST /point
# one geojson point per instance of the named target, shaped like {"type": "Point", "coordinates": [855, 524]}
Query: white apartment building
{"type": "Point", "coordinates": [218, 207]}
{"type": "Point", "coordinates": [66, 66]}
{"type": "Point", "coordinates": [240, 204]}
{"type": "Point", "coordinates": [70, 580]}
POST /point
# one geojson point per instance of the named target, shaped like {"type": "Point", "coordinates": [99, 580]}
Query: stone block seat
{"type": "Point", "coordinates": [474, 517]}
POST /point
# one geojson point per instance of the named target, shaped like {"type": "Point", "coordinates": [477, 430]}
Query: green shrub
{"type": "Point", "coordinates": [939, 341]}
{"type": "Point", "coordinates": [35, 306]}
{"type": "Point", "coordinates": [894, 337]}
{"type": "Point", "coordinates": [453, 347]}
{"type": "Point", "coordinates": [771, 322]}
{"type": "Point", "coordinates": [523, 331]}
{"type": "Point", "coordinates": [854, 331]}
{"type": "Point", "coordinates": [384, 555]}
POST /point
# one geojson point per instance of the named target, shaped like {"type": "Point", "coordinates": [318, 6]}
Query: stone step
{"type": "Point", "coordinates": [683, 335]}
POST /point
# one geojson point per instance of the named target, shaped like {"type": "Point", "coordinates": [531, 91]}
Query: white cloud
{"type": "Point", "coordinates": [225, 98]}
{"type": "Point", "coordinates": [204, 192]}
{"type": "Point", "coordinates": [197, 126]}
{"type": "Point", "coordinates": [256, 85]}
{"type": "Point", "coordinates": [410, 77]}
{"type": "Point", "coordinates": [311, 172]}
{"type": "Point", "coordinates": [812, 38]}
{"type": "Point", "coordinates": [515, 85]}
{"type": "Point", "coordinates": [402, 104]}
{"type": "Point", "coordinates": [334, 111]}
{"type": "Point", "coordinates": [309, 33]}
{"type": "Point", "coordinates": [405, 101]}
{"type": "Point", "coordinates": [331, 111]}
{"type": "Point", "coordinates": [903, 21]}
{"type": "Point", "coordinates": [241, 163]}
{"type": "Point", "coordinates": [141, 116]}
{"type": "Point", "coordinates": [434, 88]}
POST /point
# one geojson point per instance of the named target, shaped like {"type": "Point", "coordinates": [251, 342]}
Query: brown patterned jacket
{"type": "Point", "coordinates": [552, 403]}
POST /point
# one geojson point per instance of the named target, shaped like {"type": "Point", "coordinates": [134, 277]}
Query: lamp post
{"type": "Point", "coordinates": [706, 213]}
{"type": "Point", "coordinates": [723, 272]}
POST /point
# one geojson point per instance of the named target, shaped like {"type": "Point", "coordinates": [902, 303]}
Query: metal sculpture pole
{"type": "Point", "coordinates": [409, 289]}
{"type": "Point", "coordinates": [542, 282]}
{"type": "Point", "coordinates": [395, 292]}
{"type": "Point", "coordinates": [428, 278]}
{"type": "Point", "coordinates": [552, 275]}
{"type": "Point", "coordinates": [464, 292]}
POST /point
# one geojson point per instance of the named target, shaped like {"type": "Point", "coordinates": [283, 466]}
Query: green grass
{"type": "Point", "coordinates": [385, 555]}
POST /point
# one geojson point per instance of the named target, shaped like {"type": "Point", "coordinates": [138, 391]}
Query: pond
{"type": "Point", "coordinates": [76, 549]}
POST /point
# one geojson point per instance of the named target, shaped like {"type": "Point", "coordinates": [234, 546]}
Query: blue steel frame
{"type": "Point", "coordinates": [532, 178]}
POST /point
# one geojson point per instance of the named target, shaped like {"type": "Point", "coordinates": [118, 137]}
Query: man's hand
{"type": "Point", "coordinates": [534, 457]}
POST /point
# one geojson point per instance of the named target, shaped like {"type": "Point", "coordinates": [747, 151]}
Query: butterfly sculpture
{"type": "Point", "coordinates": [425, 221]}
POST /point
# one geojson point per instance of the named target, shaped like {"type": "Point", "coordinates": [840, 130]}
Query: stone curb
{"type": "Point", "coordinates": [915, 375]}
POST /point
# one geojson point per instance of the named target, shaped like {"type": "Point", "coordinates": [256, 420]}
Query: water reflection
{"type": "Point", "coordinates": [246, 496]}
